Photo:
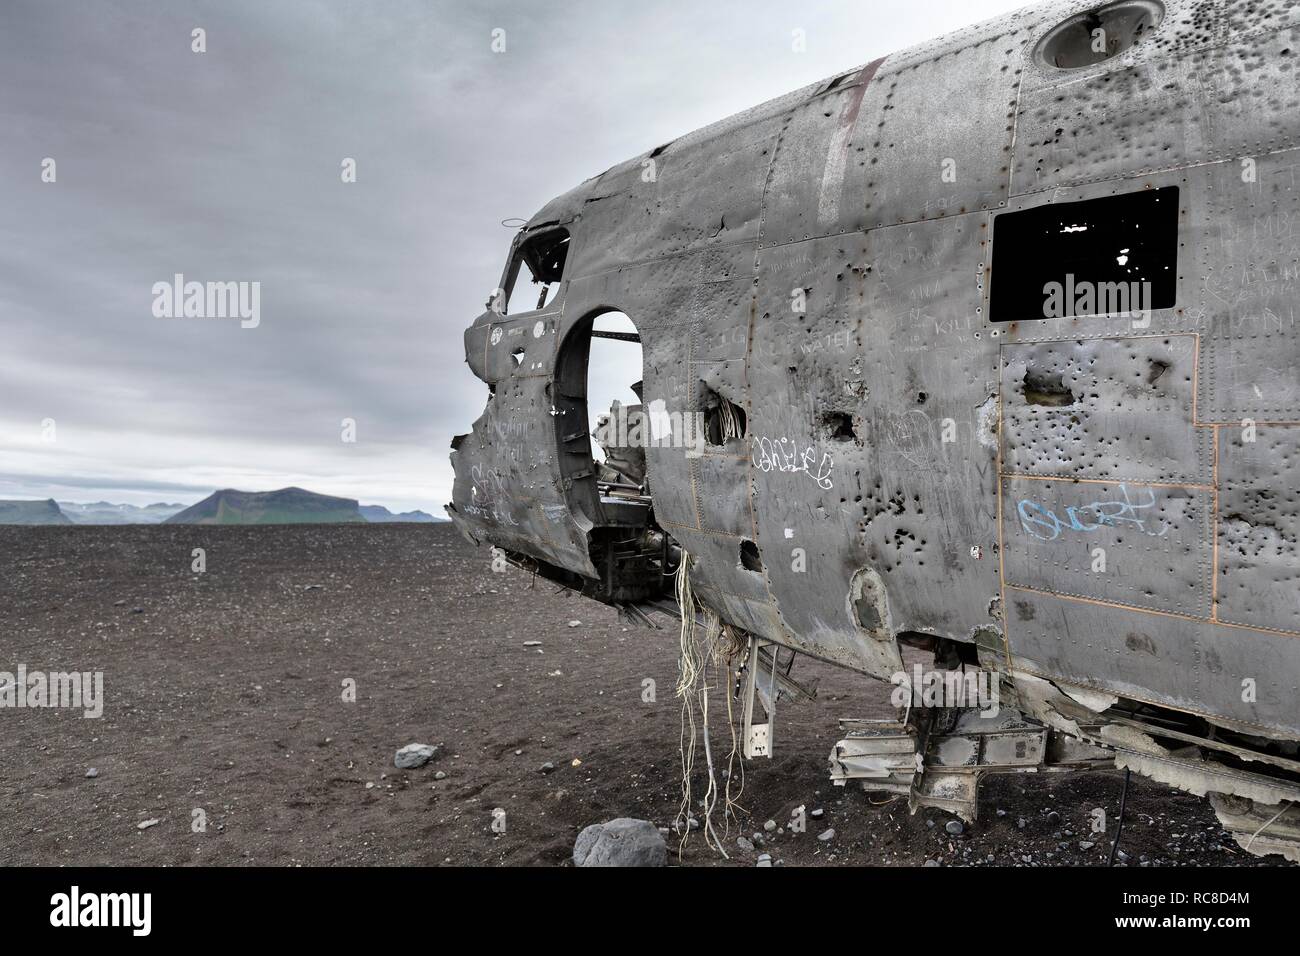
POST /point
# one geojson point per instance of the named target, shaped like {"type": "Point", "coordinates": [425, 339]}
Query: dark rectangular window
{"type": "Point", "coordinates": [1117, 255]}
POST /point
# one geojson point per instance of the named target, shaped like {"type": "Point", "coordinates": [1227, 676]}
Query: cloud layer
{"type": "Point", "coordinates": [225, 166]}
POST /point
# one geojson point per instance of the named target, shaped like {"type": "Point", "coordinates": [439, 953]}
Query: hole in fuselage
{"type": "Point", "coordinates": [1047, 389]}
{"type": "Point", "coordinates": [615, 412]}
{"type": "Point", "coordinates": [603, 433]}
{"type": "Point", "coordinates": [723, 418]}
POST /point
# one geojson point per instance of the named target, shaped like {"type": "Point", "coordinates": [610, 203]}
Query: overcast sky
{"type": "Point", "coordinates": [226, 166]}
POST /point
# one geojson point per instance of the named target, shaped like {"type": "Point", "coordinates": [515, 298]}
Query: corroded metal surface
{"type": "Point", "coordinates": [909, 467]}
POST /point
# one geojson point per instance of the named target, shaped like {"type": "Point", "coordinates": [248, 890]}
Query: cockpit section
{"type": "Point", "coordinates": [555, 473]}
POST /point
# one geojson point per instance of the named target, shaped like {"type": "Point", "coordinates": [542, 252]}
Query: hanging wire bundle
{"type": "Point", "coordinates": [706, 648]}
{"type": "Point", "coordinates": [730, 423]}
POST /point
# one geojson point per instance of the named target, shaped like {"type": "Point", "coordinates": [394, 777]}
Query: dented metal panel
{"type": "Point", "coordinates": [1191, 665]}
{"type": "Point", "coordinates": [1101, 505]}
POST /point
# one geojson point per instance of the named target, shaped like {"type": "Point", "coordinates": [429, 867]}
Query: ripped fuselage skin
{"type": "Point", "coordinates": [994, 342]}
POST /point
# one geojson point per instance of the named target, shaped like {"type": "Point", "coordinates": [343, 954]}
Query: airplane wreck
{"type": "Point", "coordinates": [987, 348]}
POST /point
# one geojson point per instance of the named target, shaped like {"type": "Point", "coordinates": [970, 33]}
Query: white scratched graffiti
{"type": "Point", "coordinates": [781, 454]}
{"type": "Point", "coordinates": [486, 490]}
{"type": "Point", "coordinates": [1117, 512]}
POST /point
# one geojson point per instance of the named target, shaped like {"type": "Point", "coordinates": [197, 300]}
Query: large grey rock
{"type": "Point", "coordinates": [414, 755]}
{"type": "Point", "coordinates": [621, 842]}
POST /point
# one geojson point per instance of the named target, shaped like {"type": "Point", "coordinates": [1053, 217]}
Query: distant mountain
{"type": "Point", "coordinates": [379, 513]}
{"type": "Point", "coordinates": [32, 512]}
{"type": "Point", "coordinates": [102, 512]}
{"type": "Point", "coordinates": [286, 506]}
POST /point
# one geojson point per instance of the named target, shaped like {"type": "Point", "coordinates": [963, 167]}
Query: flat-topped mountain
{"type": "Point", "coordinates": [32, 512]}
{"type": "Point", "coordinates": [286, 506]}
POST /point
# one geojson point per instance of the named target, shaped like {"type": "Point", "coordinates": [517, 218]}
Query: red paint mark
{"type": "Point", "coordinates": [849, 114]}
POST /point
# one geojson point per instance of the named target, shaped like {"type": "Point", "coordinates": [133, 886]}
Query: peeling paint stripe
{"type": "Point", "coordinates": [837, 154]}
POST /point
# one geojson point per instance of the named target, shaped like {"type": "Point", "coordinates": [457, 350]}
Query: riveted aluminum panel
{"type": "Point", "coordinates": [937, 137]}
{"type": "Point", "coordinates": [1259, 527]}
{"type": "Point", "coordinates": [1145, 110]}
{"type": "Point", "coordinates": [507, 478]}
{"type": "Point", "coordinates": [1194, 666]}
{"type": "Point", "coordinates": [885, 344]}
{"type": "Point", "coordinates": [516, 346]}
{"type": "Point", "coordinates": [722, 483]}
{"type": "Point", "coordinates": [1128, 412]}
{"type": "Point", "coordinates": [995, 32]}
{"type": "Point", "coordinates": [1155, 542]}
{"type": "Point", "coordinates": [705, 196]}
{"type": "Point", "coordinates": [717, 564]}
{"type": "Point", "coordinates": [1249, 302]}
{"type": "Point", "coordinates": [815, 185]}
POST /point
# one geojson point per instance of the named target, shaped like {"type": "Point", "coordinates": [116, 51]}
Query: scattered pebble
{"type": "Point", "coordinates": [827, 835]}
{"type": "Point", "coordinates": [414, 755]}
{"type": "Point", "coordinates": [146, 824]}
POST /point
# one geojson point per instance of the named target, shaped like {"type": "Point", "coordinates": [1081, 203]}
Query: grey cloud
{"type": "Point", "coordinates": [225, 166]}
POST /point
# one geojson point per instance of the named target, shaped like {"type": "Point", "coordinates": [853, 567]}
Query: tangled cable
{"type": "Point", "coordinates": [714, 645]}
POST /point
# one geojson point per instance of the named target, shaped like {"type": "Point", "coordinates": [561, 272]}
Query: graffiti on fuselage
{"type": "Point", "coordinates": [1120, 510]}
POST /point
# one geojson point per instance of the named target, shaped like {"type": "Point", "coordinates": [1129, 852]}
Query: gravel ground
{"type": "Point", "coordinates": [224, 694]}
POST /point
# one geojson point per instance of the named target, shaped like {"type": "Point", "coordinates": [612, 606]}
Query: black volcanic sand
{"type": "Point", "coordinates": [223, 693]}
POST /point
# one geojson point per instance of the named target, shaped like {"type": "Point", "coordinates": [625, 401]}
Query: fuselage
{"type": "Point", "coordinates": [1011, 322]}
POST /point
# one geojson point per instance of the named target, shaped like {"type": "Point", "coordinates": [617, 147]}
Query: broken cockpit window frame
{"type": "Point", "coordinates": [535, 271]}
